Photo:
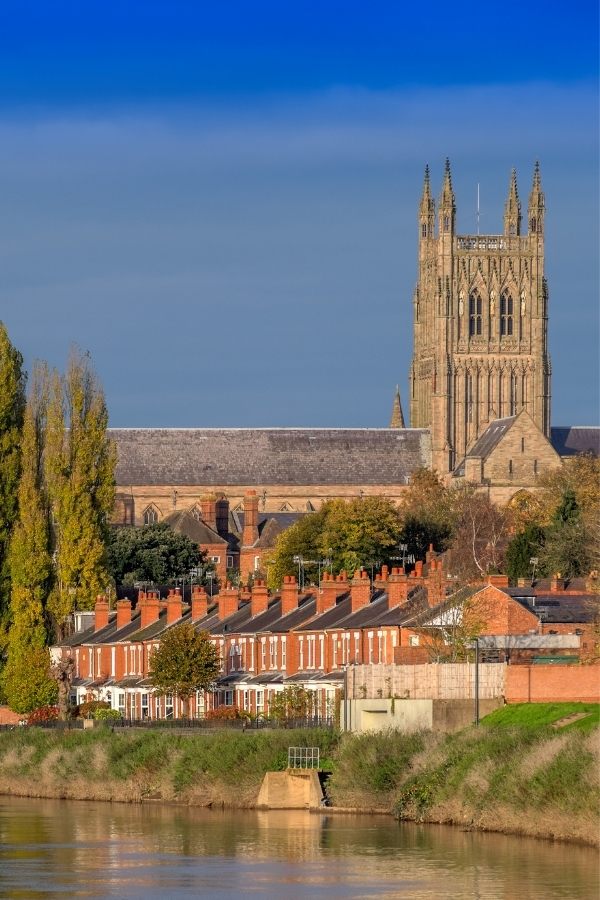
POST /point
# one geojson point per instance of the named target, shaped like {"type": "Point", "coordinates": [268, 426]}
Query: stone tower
{"type": "Point", "coordinates": [480, 323]}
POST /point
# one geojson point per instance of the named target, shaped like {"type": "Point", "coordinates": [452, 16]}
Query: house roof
{"type": "Point", "coordinates": [184, 522]}
{"type": "Point", "coordinates": [568, 440]}
{"type": "Point", "coordinates": [243, 456]}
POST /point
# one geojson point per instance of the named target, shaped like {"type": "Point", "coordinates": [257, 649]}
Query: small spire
{"type": "Point", "coordinates": [536, 200]}
{"type": "Point", "coordinates": [447, 192]}
{"type": "Point", "coordinates": [397, 420]}
{"type": "Point", "coordinates": [426, 184]}
{"type": "Point", "coordinates": [513, 193]}
{"type": "Point", "coordinates": [512, 207]}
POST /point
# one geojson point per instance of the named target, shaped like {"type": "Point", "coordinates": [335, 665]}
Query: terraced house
{"type": "Point", "coordinates": [265, 641]}
{"type": "Point", "coordinates": [311, 638]}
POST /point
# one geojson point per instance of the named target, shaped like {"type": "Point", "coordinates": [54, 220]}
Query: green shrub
{"type": "Point", "coordinates": [105, 715]}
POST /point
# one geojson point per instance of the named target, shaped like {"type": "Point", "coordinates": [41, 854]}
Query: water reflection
{"type": "Point", "coordinates": [71, 849]}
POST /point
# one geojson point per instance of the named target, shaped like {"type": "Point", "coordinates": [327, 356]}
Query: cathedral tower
{"type": "Point", "coordinates": [480, 349]}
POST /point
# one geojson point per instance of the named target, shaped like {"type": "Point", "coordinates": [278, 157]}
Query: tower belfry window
{"type": "Point", "coordinates": [506, 314]}
{"type": "Point", "coordinates": [475, 311]}
{"type": "Point", "coordinates": [424, 230]}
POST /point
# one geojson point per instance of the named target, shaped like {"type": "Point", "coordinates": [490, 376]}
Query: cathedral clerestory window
{"type": "Point", "coordinates": [475, 313]}
{"type": "Point", "coordinates": [506, 314]}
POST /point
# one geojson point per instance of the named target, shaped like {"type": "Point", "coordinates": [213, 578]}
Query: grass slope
{"type": "Point", "coordinates": [518, 772]}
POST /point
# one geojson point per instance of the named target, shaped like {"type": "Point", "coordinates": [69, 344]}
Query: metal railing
{"type": "Point", "coordinates": [303, 757]}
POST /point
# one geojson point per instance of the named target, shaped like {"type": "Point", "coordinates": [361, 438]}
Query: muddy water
{"type": "Point", "coordinates": [70, 849]}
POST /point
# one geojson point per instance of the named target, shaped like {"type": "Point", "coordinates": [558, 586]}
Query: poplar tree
{"type": "Point", "coordinates": [26, 678]}
{"type": "Point", "coordinates": [12, 405]}
{"type": "Point", "coordinates": [80, 463]}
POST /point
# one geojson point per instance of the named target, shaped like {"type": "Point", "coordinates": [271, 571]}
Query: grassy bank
{"type": "Point", "coordinates": [530, 769]}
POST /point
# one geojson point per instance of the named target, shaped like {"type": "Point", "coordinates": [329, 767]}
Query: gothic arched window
{"type": "Point", "coordinates": [424, 230]}
{"type": "Point", "coordinates": [150, 515]}
{"type": "Point", "coordinates": [533, 225]}
{"type": "Point", "coordinates": [506, 314]}
{"type": "Point", "coordinates": [475, 311]}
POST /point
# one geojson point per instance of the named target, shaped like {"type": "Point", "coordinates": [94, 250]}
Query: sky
{"type": "Point", "coordinates": [218, 200]}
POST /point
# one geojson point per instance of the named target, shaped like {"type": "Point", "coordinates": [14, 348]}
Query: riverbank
{"type": "Point", "coordinates": [515, 774]}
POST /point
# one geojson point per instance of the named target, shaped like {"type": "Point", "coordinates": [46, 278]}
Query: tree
{"type": "Point", "coordinates": [26, 680]}
{"type": "Point", "coordinates": [360, 532]}
{"type": "Point", "coordinates": [428, 500]}
{"type": "Point", "coordinates": [580, 476]}
{"type": "Point", "coordinates": [185, 662]}
{"type": "Point", "coordinates": [80, 463]}
{"type": "Point", "coordinates": [363, 531]}
{"type": "Point", "coordinates": [463, 619]}
{"type": "Point", "coordinates": [153, 553]}
{"type": "Point", "coordinates": [524, 546]}
{"type": "Point", "coordinates": [292, 704]}
{"type": "Point", "coordinates": [12, 407]}
{"type": "Point", "coordinates": [568, 540]}
{"type": "Point", "coordinates": [419, 534]}
{"type": "Point", "coordinates": [480, 535]}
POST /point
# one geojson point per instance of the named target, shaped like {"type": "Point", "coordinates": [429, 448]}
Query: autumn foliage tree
{"type": "Point", "coordinates": [80, 462]}
{"type": "Point", "coordinates": [184, 662]}
{"type": "Point", "coordinates": [363, 531]}
{"type": "Point", "coordinates": [26, 678]}
{"type": "Point", "coordinates": [12, 407]}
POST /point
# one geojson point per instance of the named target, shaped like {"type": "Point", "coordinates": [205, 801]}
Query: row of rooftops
{"type": "Point", "coordinates": [394, 599]}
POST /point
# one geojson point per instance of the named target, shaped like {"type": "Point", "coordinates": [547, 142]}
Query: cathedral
{"type": "Point", "coordinates": [480, 323]}
{"type": "Point", "coordinates": [479, 399]}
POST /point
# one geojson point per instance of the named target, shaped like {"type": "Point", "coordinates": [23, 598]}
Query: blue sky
{"type": "Point", "coordinates": [219, 200]}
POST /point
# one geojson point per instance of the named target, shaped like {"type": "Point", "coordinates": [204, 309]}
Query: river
{"type": "Point", "coordinates": [53, 848]}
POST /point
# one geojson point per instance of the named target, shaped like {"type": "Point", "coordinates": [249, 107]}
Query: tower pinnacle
{"type": "Point", "coordinates": [512, 208]}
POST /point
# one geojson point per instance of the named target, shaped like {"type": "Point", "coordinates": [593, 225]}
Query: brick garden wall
{"type": "Point", "coordinates": [552, 684]}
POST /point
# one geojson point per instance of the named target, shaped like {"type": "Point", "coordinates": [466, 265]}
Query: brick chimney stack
{"type": "Point", "coordinates": [397, 588]}
{"type": "Point", "coordinates": [208, 510]}
{"type": "Point", "coordinates": [228, 601]}
{"type": "Point", "coordinates": [174, 606]}
{"type": "Point", "coordinates": [381, 578]}
{"type": "Point", "coordinates": [123, 613]}
{"type": "Point", "coordinates": [222, 517]}
{"type": "Point", "coordinates": [360, 590]}
{"type": "Point", "coordinates": [149, 609]}
{"type": "Point", "coordinates": [199, 604]}
{"type": "Point", "coordinates": [260, 598]}
{"type": "Point", "coordinates": [289, 594]}
{"type": "Point", "coordinates": [100, 613]}
{"type": "Point", "coordinates": [331, 588]}
{"type": "Point", "coordinates": [250, 534]}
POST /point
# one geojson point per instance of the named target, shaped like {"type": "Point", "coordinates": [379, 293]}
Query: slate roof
{"type": "Point", "coordinates": [568, 440]}
{"type": "Point", "coordinates": [491, 437]}
{"type": "Point", "coordinates": [244, 456]}
{"type": "Point", "coordinates": [184, 522]}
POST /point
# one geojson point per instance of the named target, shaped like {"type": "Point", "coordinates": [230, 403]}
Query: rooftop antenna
{"type": "Point", "coordinates": [478, 209]}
